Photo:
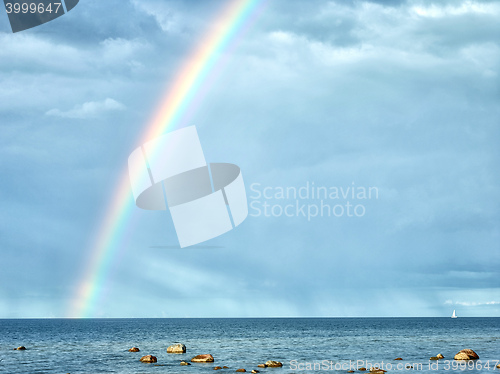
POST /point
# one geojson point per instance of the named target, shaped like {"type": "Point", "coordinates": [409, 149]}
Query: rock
{"type": "Point", "coordinates": [377, 370]}
{"type": "Point", "coordinates": [261, 365]}
{"type": "Point", "coordinates": [439, 356]}
{"type": "Point", "coordinates": [225, 367]}
{"type": "Point", "coordinates": [498, 366]}
{"type": "Point", "coordinates": [273, 364]}
{"type": "Point", "coordinates": [466, 354]}
{"type": "Point", "coordinates": [255, 371]}
{"type": "Point", "coordinates": [134, 349]}
{"type": "Point", "coordinates": [433, 358]}
{"type": "Point", "coordinates": [350, 371]}
{"type": "Point", "coordinates": [21, 348]}
{"type": "Point", "coordinates": [241, 371]}
{"type": "Point", "coordinates": [203, 358]}
{"type": "Point", "coordinates": [148, 358]}
{"type": "Point", "coordinates": [177, 348]}
{"type": "Point", "coordinates": [398, 359]}
{"type": "Point", "coordinates": [362, 369]}
{"type": "Point", "coordinates": [184, 363]}
{"type": "Point", "coordinates": [217, 368]}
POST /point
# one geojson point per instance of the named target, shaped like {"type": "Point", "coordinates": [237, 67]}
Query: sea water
{"type": "Point", "coordinates": [334, 344]}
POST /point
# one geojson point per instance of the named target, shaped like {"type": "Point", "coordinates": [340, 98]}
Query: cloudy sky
{"type": "Point", "coordinates": [402, 96]}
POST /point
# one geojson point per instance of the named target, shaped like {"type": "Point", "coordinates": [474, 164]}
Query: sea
{"type": "Point", "coordinates": [303, 345]}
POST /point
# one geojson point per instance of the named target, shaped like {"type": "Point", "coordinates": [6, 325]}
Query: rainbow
{"type": "Point", "coordinates": [181, 97]}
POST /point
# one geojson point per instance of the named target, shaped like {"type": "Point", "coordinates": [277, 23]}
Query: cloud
{"type": "Point", "coordinates": [91, 109]}
{"type": "Point", "coordinates": [471, 303]}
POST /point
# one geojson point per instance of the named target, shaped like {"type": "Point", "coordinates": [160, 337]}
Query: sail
{"type": "Point", "coordinates": [454, 315]}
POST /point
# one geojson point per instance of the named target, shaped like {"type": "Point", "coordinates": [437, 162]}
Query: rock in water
{"type": "Point", "coordinates": [273, 364]}
{"type": "Point", "coordinates": [261, 365]}
{"type": "Point", "coordinates": [433, 358]}
{"type": "Point", "coordinates": [377, 370]}
{"type": "Point", "coordinates": [217, 368]}
{"type": "Point", "coordinates": [184, 363]}
{"type": "Point", "coordinates": [398, 359]}
{"type": "Point", "coordinates": [466, 354]}
{"type": "Point", "coordinates": [21, 348]}
{"type": "Point", "coordinates": [439, 356]}
{"type": "Point", "coordinates": [148, 359]}
{"type": "Point", "coordinates": [177, 348]}
{"type": "Point", "coordinates": [203, 358]}
{"type": "Point", "coordinates": [362, 369]}
{"type": "Point", "coordinates": [241, 371]}
{"type": "Point", "coordinates": [255, 371]}
{"type": "Point", "coordinates": [134, 349]}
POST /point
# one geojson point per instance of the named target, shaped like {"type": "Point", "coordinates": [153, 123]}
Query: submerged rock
{"type": "Point", "coordinates": [177, 348]}
{"type": "Point", "coordinates": [148, 359]}
{"type": "Point", "coordinates": [203, 358]}
{"type": "Point", "coordinates": [241, 371]}
{"type": "Point", "coordinates": [255, 371]}
{"type": "Point", "coordinates": [217, 368]}
{"type": "Point", "coordinates": [273, 364]}
{"type": "Point", "coordinates": [134, 349]}
{"type": "Point", "coordinates": [261, 365]}
{"type": "Point", "coordinates": [21, 348]}
{"type": "Point", "coordinates": [362, 369]}
{"type": "Point", "coordinates": [398, 359]}
{"type": "Point", "coordinates": [466, 354]}
{"type": "Point", "coordinates": [184, 363]}
{"type": "Point", "coordinates": [225, 367]}
{"type": "Point", "coordinates": [377, 370]}
{"type": "Point", "coordinates": [433, 358]}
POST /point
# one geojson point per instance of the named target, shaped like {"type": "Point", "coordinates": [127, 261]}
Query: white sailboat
{"type": "Point", "coordinates": [454, 315]}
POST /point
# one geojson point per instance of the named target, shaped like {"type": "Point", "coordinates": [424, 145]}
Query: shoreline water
{"type": "Point", "coordinates": [101, 345]}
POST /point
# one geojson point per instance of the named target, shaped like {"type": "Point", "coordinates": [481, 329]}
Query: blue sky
{"type": "Point", "coordinates": [398, 95]}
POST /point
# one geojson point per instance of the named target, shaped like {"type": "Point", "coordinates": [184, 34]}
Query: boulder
{"type": "Point", "coordinates": [377, 370]}
{"type": "Point", "coordinates": [261, 365]}
{"type": "Point", "coordinates": [350, 371]}
{"type": "Point", "coordinates": [398, 359]}
{"type": "Point", "coordinates": [21, 348]}
{"type": "Point", "coordinates": [362, 369]}
{"type": "Point", "coordinates": [148, 359]}
{"type": "Point", "coordinates": [439, 356]}
{"type": "Point", "coordinates": [184, 363]}
{"type": "Point", "coordinates": [466, 354]}
{"type": "Point", "coordinates": [225, 367]}
{"type": "Point", "coordinates": [203, 358]}
{"type": "Point", "coordinates": [273, 364]}
{"type": "Point", "coordinates": [498, 366]}
{"type": "Point", "coordinates": [177, 348]}
{"type": "Point", "coordinates": [433, 358]}
{"type": "Point", "coordinates": [255, 371]}
{"type": "Point", "coordinates": [134, 349]}
{"type": "Point", "coordinates": [217, 368]}
{"type": "Point", "coordinates": [241, 371]}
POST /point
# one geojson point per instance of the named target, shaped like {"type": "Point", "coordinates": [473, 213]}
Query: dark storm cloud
{"type": "Point", "coordinates": [398, 95]}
